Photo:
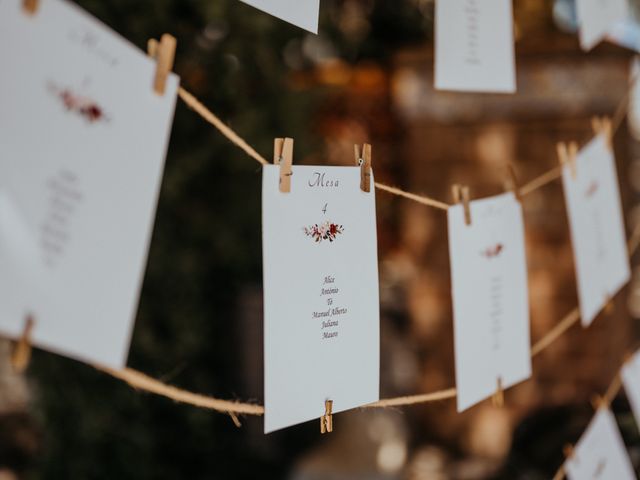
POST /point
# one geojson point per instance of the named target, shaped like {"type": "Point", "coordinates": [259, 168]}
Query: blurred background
{"type": "Point", "coordinates": [368, 77]}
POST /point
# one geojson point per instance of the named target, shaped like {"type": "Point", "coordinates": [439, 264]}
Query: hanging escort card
{"type": "Point", "coordinates": [474, 48]}
{"type": "Point", "coordinates": [597, 228]}
{"type": "Point", "coordinates": [321, 310]}
{"type": "Point", "coordinates": [302, 13]}
{"type": "Point", "coordinates": [490, 297]}
{"type": "Point", "coordinates": [83, 137]}
{"type": "Point", "coordinates": [597, 18]}
{"type": "Point", "coordinates": [631, 379]}
{"type": "Point", "coordinates": [600, 453]}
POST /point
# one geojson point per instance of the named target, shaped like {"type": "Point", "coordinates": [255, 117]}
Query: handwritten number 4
{"type": "Point", "coordinates": [324, 210]}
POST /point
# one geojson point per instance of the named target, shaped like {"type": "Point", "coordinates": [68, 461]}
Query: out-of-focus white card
{"type": "Point", "coordinates": [633, 116]}
{"type": "Point", "coordinates": [597, 18]}
{"type": "Point", "coordinates": [631, 380]}
{"type": "Point", "coordinates": [597, 227]}
{"type": "Point", "coordinates": [490, 297]}
{"type": "Point", "coordinates": [474, 46]}
{"type": "Point", "coordinates": [600, 454]}
{"type": "Point", "coordinates": [83, 138]}
{"type": "Point", "coordinates": [321, 308]}
{"type": "Point", "coordinates": [302, 13]}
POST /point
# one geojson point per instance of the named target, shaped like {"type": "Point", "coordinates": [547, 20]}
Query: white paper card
{"type": "Point", "coordinates": [303, 13]}
{"type": "Point", "coordinates": [596, 18]}
{"type": "Point", "coordinates": [82, 144]}
{"type": "Point", "coordinates": [490, 297]}
{"type": "Point", "coordinates": [600, 454]}
{"type": "Point", "coordinates": [597, 227]}
{"type": "Point", "coordinates": [631, 380]}
{"type": "Point", "coordinates": [474, 46]}
{"type": "Point", "coordinates": [321, 307]}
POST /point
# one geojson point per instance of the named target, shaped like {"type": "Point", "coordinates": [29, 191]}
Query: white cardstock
{"type": "Point", "coordinates": [600, 454]}
{"type": "Point", "coordinates": [597, 227]}
{"type": "Point", "coordinates": [83, 138]}
{"type": "Point", "coordinates": [631, 380]}
{"type": "Point", "coordinates": [302, 13]}
{"type": "Point", "coordinates": [490, 297]}
{"type": "Point", "coordinates": [597, 18]}
{"type": "Point", "coordinates": [474, 48]}
{"type": "Point", "coordinates": [321, 306]}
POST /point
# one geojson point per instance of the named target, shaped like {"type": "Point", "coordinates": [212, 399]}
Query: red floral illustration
{"type": "Point", "coordinates": [493, 251]}
{"type": "Point", "coordinates": [591, 191]}
{"type": "Point", "coordinates": [324, 231]}
{"type": "Point", "coordinates": [84, 106]}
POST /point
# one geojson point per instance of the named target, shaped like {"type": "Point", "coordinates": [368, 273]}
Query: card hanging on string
{"type": "Point", "coordinates": [474, 49]}
{"type": "Point", "coordinates": [596, 223]}
{"type": "Point", "coordinates": [302, 13]}
{"type": "Point", "coordinates": [321, 306]}
{"type": "Point", "coordinates": [631, 380]}
{"type": "Point", "coordinates": [596, 18]}
{"type": "Point", "coordinates": [600, 453]}
{"type": "Point", "coordinates": [490, 296]}
{"type": "Point", "coordinates": [83, 136]}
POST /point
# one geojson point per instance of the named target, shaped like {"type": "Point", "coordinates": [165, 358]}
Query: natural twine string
{"type": "Point", "coordinates": [143, 382]}
{"type": "Point", "coordinates": [616, 383]}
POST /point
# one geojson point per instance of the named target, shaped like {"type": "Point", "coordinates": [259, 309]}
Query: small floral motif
{"type": "Point", "coordinates": [84, 106]}
{"type": "Point", "coordinates": [591, 191]}
{"type": "Point", "coordinates": [324, 231]}
{"type": "Point", "coordinates": [493, 251]}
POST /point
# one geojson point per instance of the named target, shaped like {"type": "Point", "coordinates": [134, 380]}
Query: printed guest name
{"type": "Point", "coordinates": [319, 179]}
{"type": "Point", "coordinates": [330, 312]}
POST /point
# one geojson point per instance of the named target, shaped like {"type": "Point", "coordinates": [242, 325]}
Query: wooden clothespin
{"type": "Point", "coordinates": [326, 421]}
{"type": "Point", "coordinates": [569, 452]}
{"type": "Point", "coordinates": [164, 53]}
{"type": "Point", "coordinates": [567, 155]}
{"type": "Point", "coordinates": [22, 350]}
{"type": "Point", "coordinates": [602, 126]}
{"type": "Point", "coordinates": [609, 306]}
{"type": "Point", "coordinates": [461, 195]}
{"type": "Point", "coordinates": [283, 156]}
{"type": "Point", "coordinates": [511, 182]}
{"type": "Point", "coordinates": [498, 397]}
{"type": "Point", "coordinates": [363, 158]}
{"type": "Point", "coordinates": [598, 402]}
{"type": "Point", "coordinates": [30, 6]}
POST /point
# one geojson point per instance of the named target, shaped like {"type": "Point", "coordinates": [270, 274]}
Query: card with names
{"type": "Point", "coordinates": [490, 297]}
{"type": "Point", "coordinates": [600, 454]}
{"type": "Point", "coordinates": [597, 227]}
{"type": "Point", "coordinates": [474, 50]}
{"type": "Point", "coordinates": [321, 305]}
{"type": "Point", "coordinates": [83, 138]}
{"type": "Point", "coordinates": [631, 379]}
{"type": "Point", "coordinates": [302, 13]}
{"type": "Point", "coordinates": [597, 18]}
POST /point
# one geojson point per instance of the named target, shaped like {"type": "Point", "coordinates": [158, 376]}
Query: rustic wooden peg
{"type": "Point", "coordinates": [22, 350]}
{"type": "Point", "coordinates": [461, 195]}
{"type": "Point", "coordinates": [363, 159]}
{"type": "Point", "coordinates": [283, 156]}
{"type": "Point", "coordinates": [609, 306]}
{"type": "Point", "coordinates": [598, 402]}
{"type": "Point", "coordinates": [602, 126]}
{"type": "Point", "coordinates": [30, 6]}
{"type": "Point", "coordinates": [498, 397]}
{"type": "Point", "coordinates": [164, 53]}
{"type": "Point", "coordinates": [569, 452]}
{"type": "Point", "coordinates": [567, 155]}
{"type": "Point", "coordinates": [326, 421]}
{"type": "Point", "coordinates": [152, 47]}
{"type": "Point", "coordinates": [511, 182]}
